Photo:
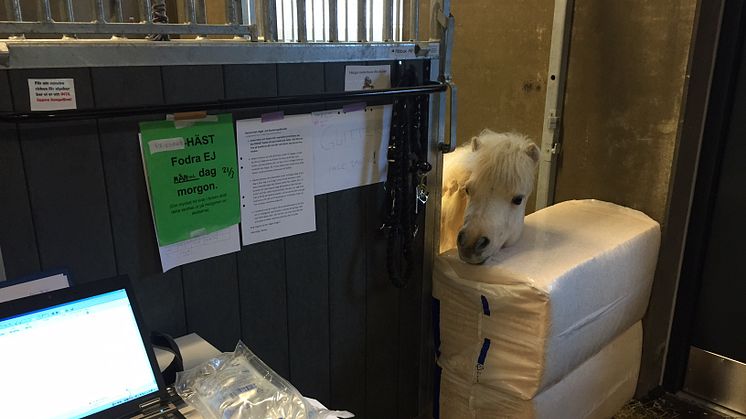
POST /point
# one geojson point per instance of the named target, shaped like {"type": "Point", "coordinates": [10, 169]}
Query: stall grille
{"type": "Point", "coordinates": [257, 20]}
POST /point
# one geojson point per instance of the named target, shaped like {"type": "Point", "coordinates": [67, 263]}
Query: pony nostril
{"type": "Point", "coordinates": [460, 239]}
{"type": "Point", "coordinates": [481, 243]}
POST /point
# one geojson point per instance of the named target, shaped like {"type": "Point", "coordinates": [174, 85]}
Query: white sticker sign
{"type": "Point", "coordinates": [51, 94]}
{"type": "Point", "coordinates": [367, 77]}
{"type": "Point", "coordinates": [166, 144]}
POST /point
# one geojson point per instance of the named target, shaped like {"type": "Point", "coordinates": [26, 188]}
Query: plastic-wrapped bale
{"type": "Point", "coordinates": [596, 389]}
{"type": "Point", "coordinates": [580, 275]}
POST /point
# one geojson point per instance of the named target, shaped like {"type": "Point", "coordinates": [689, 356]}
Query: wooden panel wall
{"type": "Point", "coordinates": [317, 307]}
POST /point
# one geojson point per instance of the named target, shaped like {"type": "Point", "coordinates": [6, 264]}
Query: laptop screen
{"type": "Point", "coordinates": [74, 359]}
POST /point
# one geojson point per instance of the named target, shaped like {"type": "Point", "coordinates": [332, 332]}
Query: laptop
{"type": "Point", "coordinates": [79, 352]}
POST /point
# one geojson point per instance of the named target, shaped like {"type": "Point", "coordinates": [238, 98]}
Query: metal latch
{"type": "Point", "coordinates": [553, 120]}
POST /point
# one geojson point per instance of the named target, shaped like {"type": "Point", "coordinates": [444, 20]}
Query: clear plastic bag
{"type": "Point", "coordinates": [239, 385]}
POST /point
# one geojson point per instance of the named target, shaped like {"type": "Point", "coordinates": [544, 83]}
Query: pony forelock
{"type": "Point", "coordinates": [502, 163]}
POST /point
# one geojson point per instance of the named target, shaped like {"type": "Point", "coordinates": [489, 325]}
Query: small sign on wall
{"type": "Point", "coordinates": [367, 77]}
{"type": "Point", "coordinates": [51, 94]}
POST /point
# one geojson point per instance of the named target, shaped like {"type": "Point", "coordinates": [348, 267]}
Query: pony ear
{"type": "Point", "coordinates": [533, 151]}
{"type": "Point", "coordinates": [474, 143]}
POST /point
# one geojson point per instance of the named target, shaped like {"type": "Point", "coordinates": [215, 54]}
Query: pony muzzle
{"type": "Point", "coordinates": [472, 251]}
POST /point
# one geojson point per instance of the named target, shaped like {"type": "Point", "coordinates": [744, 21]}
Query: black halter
{"type": "Point", "coordinates": [405, 183]}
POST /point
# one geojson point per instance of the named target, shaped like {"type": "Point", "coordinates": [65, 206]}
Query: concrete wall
{"type": "Point", "coordinates": [500, 64]}
{"type": "Point", "coordinates": [625, 83]}
{"type": "Point", "coordinates": [624, 94]}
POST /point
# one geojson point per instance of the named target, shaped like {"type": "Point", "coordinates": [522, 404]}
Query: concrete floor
{"type": "Point", "coordinates": [666, 406]}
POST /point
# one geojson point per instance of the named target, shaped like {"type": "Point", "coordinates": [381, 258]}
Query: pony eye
{"type": "Point", "coordinates": [466, 190]}
{"type": "Point", "coordinates": [517, 200]}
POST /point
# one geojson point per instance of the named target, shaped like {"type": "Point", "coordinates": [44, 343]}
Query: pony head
{"type": "Point", "coordinates": [501, 172]}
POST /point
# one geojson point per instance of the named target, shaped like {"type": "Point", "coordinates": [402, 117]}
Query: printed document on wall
{"type": "Point", "coordinates": [276, 178]}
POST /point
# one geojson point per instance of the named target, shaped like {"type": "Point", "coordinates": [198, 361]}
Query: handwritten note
{"type": "Point", "coordinates": [210, 245]}
{"type": "Point", "coordinates": [350, 148]}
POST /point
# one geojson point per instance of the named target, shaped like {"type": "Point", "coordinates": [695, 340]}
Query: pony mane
{"type": "Point", "coordinates": [501, 162]}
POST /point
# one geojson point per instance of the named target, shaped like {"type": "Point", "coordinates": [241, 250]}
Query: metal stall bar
{"type": "Point", "coordinates": [361, 95]}
{"type": "Point", "coordinates": [17, 15]}
{"type": "Point", "coordinates": [388, 20]}
{"type": "Point", "coordinates": [312, 21]}
{"type": "Point", "coordinates": [201, 11]}
{"type": "Point", "coordinates": [293, 29]}
{"type": "Point", "coordinates": [553, 104]}
{"type": "Point", "coordinates": [333, 21]}
{"type": "Point", "coordinates": [70, 10]}
{"type": "Point", "coordinates": [268, 17]}
{"type": "Point", "coordinates": [301, 17]}
{"type": "Point", "coordinates": [369, 21]}
{"type": "Point", "coordinates": [231, 13]}
{"type": "Point", "coordinates": [191, 11]}
{"type": "Point", "coordinates": [98, 12]}
{"type": "Point", "coordinates": [259, 18]}
{"type": "Point", "coordinates": [324, 27]}
{"type": "Point", "coordinates": [439, 110]}
{"type": "Point", "coordinates": [47, 11]}
{"type": "Point", "coordinates": [119, 11]}
{"type": "Point", "coordinates": [248, 13]}
{"type": "Point", "coordinates": [445, 24]}
{"type": "Point", "coordinates": [146, 11]}
{"type": "Point", "coordinates": [362, 21]}
{"type": "Point", "coordinates": [414, 20]}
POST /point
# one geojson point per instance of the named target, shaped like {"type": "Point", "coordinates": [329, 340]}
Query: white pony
{"type": "Point", "coordinates": [485, 186]}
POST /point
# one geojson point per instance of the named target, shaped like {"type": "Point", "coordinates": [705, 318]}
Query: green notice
{"type": "Point", "coordinates": [192, 176]}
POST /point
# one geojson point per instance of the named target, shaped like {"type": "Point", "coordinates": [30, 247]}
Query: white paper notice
{"type": "Point", "coordinates": [276, 178]}
{"type": "Point", "coordinates": [367, 77]}
{"type": "Point", "coordinates": [51, 94]}
{"type": "Point", "coordinates": [199, 248]}
{"type": "Point", "coordinates": [350, 148]}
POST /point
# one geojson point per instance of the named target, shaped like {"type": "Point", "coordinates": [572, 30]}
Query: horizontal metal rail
{"type": "Point", "coordinates": [358, 95]}
{"type": "Point", "coordinates": [138, 52]}
{"type": "Point", "coordinates": [123, 28]}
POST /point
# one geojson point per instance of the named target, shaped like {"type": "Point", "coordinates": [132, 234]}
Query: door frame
{"type": "Point", "coordinates": [729, 43]}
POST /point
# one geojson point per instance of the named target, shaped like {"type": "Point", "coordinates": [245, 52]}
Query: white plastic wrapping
{"type": "Point", "coordinates": [597, 389]}
{"type": "Point", "coordinates": [238, 385]}
{"type": "Point", "coordinates": [580, 275]}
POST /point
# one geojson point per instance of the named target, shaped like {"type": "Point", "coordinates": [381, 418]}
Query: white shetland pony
{"type": "Point", "coordinates": [485, 186]}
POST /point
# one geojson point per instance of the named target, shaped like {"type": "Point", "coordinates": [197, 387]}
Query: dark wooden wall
{"type": "Point", "coordinates": [317, 307]}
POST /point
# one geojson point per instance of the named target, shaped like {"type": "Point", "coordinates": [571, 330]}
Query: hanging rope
{"type": "Point", "coordinates": [405, 185]}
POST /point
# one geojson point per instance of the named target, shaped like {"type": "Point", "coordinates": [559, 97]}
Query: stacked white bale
{"type": "Point", "coordinates": [579, 277]}
{"type": "Point", "coordinates": [594, 390]}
